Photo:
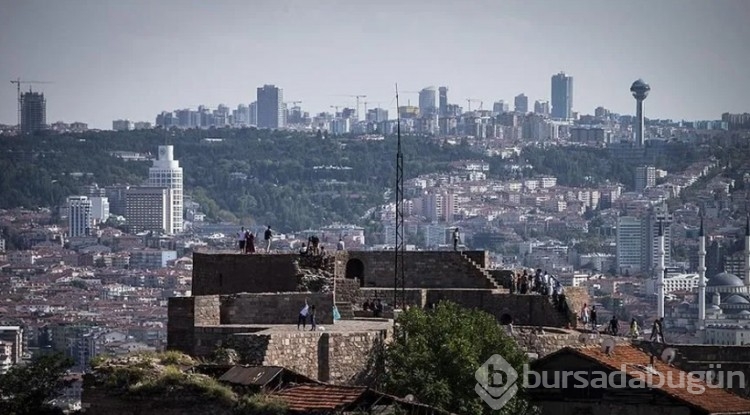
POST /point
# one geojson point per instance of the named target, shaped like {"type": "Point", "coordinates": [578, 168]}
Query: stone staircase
{"type": "Point", "coordinates": [493, 282]}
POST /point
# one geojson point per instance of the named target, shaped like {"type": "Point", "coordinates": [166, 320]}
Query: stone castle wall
{"type": "Point", "coordinates": [422, 269]}
{"type": "Point", "coordinates": [274, 308]}
{"type": "Point", "coordinates": [236, 273]}
{"type": "Point", "coordinates": [552, 340]}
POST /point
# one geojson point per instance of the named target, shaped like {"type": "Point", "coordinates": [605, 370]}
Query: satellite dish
{"type": "Point", "coordinates": [668, 355]}
{"type": "Point", "coordinates": [608, 345]}
{"type": "Point", "coordinates": [583, 339]}
{"type": "Point", "coordinates": [409, 398]}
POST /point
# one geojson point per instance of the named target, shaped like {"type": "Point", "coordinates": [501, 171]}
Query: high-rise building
{"type": "Point", "coordinates": [500, 107]}
{"type": "Point", "coordinates": [645, 176]}
{"type": "Point", "coordinates": [521, 104]}
{"type": "Point", "coordinates": [80, 220]}
{"type": "Point", "coordinates": [166, 172]}
{"type": "Point", "coordinates": [541, 107]}
{"type": "Point", "coordinates": [562, 96]}
{"type": "Point", "coordinates": [33, 112]}
{"type": "Point", "coordinates": [149, 209]}
{"type": "Point", "coordinates": [99, 208]}
{"type": "Point", "coordinates": [270, 107]}
{"type": "Point", "coordinates": [253, 113]}
{"type": "Point", "coordinates": [629, 245]}
{"type": "Point", "coordinates": [427, 102]}
{"type": "Point", "coordinates": [443, 101]}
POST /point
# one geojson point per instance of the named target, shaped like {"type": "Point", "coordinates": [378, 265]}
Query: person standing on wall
{"type": "Point", "coordinates": [302, 318]}
{"type": "Point", "coordinates": [267, 236]}
{"type": "Point", "coordinates": [313, 324]}
{"type": "Point", "coordinates": [241, 240]}
{"type": "Point", "coordinates": [456, 239]}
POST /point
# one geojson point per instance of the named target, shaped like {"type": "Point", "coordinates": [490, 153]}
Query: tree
{"type": "Point", "coordinates": [28, 389]}
{"type": "Point", "coordinates": [435, 354]}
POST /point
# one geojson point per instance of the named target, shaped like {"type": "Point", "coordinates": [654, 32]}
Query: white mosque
{"type": "Point", "coordinates": [723, 300]}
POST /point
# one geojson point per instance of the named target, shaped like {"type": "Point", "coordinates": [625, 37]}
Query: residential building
{"type": "Point", "coordinates": [151, 258]}
{"type": "Point", "coordinates": [541, 107]}
{"type": "Point", "coordinates": [645, 176]}
{"type": "Point", "coordinates": [270, 107]}
{"type": "Point", "coordinates": [80, 220]}
{"type": "Point", "coordinates": [123, 125]}
{"type": "Point", "coordinates": [14, 336]}
{"type": "Point", "coordinates": [166, 172]}
{"type": "Point", "coordinates": [33, 112]}
{"type": "Point", "coordinates": [443, 101]}
{"type": "Point", "coordinates": [562, 96]}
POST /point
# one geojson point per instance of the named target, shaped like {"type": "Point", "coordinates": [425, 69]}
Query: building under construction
{"type": "Point", "coordinates": [33, 112]}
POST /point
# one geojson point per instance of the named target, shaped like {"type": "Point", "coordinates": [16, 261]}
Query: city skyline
{"type": "Point", "coordinates": [318, 55]}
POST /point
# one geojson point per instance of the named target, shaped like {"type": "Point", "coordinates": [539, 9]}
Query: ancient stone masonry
{"type": "Point", "coordinates": [315, 273]}
{"type": "Point", "coordinates": [543, 341]}
{"type": "Point", "coordinates": [274, 308]}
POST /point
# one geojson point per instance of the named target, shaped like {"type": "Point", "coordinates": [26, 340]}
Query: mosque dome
{"type": "Point", "coordinates": [715, 307]}
{"type": "Point", "coordinates": [736, 299]}
{"type": "Point", "coordinates": [725, 279]}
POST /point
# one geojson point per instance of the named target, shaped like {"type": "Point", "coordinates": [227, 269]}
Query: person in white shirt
{"type": "Point", "coordinates": [340, 245]}
{"type": "Point", "coordinates": [241, 240]}
{"type": "Point", "coordinates": [302, 319]}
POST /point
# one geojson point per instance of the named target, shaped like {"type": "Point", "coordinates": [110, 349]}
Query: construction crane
{"type": "Point", "coordinates": [356, 97]}
{"type": "Point", "coordinates": [470, 100]}
{"type": "Point", "coordinates": [294, 103]}
{"type": "Point", "coordinates": [336, 107]}
{"type": "Point", "coordinates": [18, 83]}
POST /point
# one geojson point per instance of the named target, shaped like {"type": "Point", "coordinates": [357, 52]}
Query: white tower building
{"type": "Point", "coordinates": [701, 278]}
{"type": "Point", "coordinates": [80, 220]}
{"type": "Point", "coordinates": [166, 172]}
{"type": "Point", "coordinates": [660, 273]}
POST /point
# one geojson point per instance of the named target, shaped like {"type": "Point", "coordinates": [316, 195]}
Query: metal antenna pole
{"type": "Point", "coordinates": [398, 284]}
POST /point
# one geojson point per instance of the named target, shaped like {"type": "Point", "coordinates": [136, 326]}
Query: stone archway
{"type": "Point", "coordinates": [355, 269]}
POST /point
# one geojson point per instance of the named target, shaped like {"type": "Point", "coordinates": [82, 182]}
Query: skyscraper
{"type": "Point", "coordinates": [270, 107]}
{"type": "Point", "coordinates": [443, 98]}
{"type": "Point", "coordinates": [33, 112]}
{"type": "Point", "coordinates": [80, 220]}
{"type": "Point", "coordinates": [562, 96]}
{"type": "Point", "coordinates": [651, 232]}
{"type": "Point", "coordinates": [629, 245]}
{"type": "Point", "coordinates": [522, 104]}
{"type": "Point", "coordinates": [149, 209]}
{"type": "Point", "coordinates": [541, 107]}
{"type": "Point", "coordinates": [166, 172]}
{"type": "Point", "coordinates": [427, 100]}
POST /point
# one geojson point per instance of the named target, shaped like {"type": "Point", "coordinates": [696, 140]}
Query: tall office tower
{"type": "Point", "coordinates": [645, 176]}
{"type": "Point", "coordinates": [500, 107]}
{"type": "Point", "coordinates": [629, 245]}
{"type": "Point", "coordinates": [541, 107]}
{"type": "Point", "coordinates": [443, 101]}
{"type": "Point", "coordinates": [80, 220]}
{"type": "Point", "coordinates": [640, 90]}
{"type": "Point", "coordinates": [658, 217]}
{"type": "Point", "coordinates": [253, 109]}
{"type": "Point", "coordinates": [99, 209]}
{"type": "Point", "coordinates": [521, 104]}
{"type": "Point", "coordinates": [270, 107]}
{"type": "Point", "coordinates": [427, 102]}
{"type": "Point", "coordinates": [33, 112]}
{"type": "Point", "coordinates": [562, 96]}
{"type": "Point", "coordinates": [149, 209]}
{"type": "Point", "coordinates": [166, 172]}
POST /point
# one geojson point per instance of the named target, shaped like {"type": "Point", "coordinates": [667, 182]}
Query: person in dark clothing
{"type": "Point", "coordinates": [614, 325]}
{"type": "Point", "coordinates": [593, 318]}
{"type": "Point", "coordinates": [456, 239]}
{"type": "Point", "coordinates": [250, 243]}
{"type": "Point", "coordinates": [313, 325]}
{"type": "Point", "coordinates": [314, 240]}
{"type": "Point", "coordinates": [378, 308]}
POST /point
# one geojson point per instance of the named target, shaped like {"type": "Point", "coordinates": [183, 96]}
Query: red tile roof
{"type": "Point", "coordinates": [320, 397]}
{"type": "Point", "coordinates": [713, 400]}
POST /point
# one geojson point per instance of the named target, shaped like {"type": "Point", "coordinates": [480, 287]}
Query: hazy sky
{"type": "Point", "coordinates": [134, 58]}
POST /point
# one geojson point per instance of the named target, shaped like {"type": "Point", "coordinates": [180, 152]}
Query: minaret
{"type": "Point", "coordinates": [747, 252]}
{"type": "Point", "coordinates": [701, 278]}
{"type": "Point", "coordinates": [660, 273]}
